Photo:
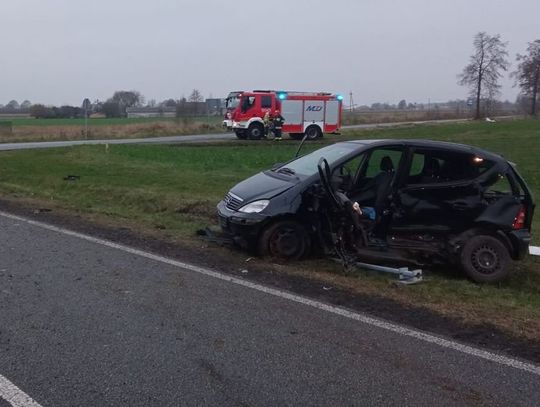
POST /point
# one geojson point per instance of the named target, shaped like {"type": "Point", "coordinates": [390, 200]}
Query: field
{"type": "Point", "coordinates": [171, 191]}
{"type": "Point", "coordinates": [103, 128]}
{"type": "Point", "coordinates": [109, 121]}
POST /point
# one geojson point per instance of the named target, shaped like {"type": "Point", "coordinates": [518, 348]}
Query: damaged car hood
{"type": "Point", "coordinates": [264, 185]}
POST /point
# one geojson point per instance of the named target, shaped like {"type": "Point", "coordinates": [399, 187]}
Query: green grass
{"type": "Point", "coordinates": [129, 180]}
{"type": "Point", "coordinates": [174, 189]}
{"type": "Point", "coordinates": [107, 121]}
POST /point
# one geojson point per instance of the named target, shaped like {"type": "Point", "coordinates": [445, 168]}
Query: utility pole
{"type": "Point", "coordinates": [351, 102]}
{"type": "Point", "coordinates": [86, 105]}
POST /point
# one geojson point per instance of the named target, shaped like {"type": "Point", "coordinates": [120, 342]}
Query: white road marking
{"type": "Point", "coordinates": [534, 250]}
{"type": "Point", "coordinates": [413, 333]}
{"type": "Point", "coordinates": [15, 396]}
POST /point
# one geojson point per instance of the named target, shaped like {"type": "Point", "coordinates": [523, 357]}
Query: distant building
{"type": "Point", "coordinates": [215, 107]}
{"type": "Point", "coordinates": [133, 112]}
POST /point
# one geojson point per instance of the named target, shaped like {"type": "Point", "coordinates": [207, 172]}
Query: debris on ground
{"type": "Point", "coordinates": [72, 177]}
{"type": "Point", "coordinates": [41, 210]}
{"type": "Point", "coordinates": [215, 237]}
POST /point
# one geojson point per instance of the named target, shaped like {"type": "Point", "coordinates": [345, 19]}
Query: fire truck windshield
{"type": "Point", "coordinates": [232, 101]}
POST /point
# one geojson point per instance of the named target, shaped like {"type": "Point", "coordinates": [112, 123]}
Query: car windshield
{"type": "Point", "coordinates": [307, 164]}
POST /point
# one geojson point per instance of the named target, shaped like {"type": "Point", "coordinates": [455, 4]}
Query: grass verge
{"type": "Point", "coordinates": [25, 130]}
{"type": "Point", "coordinates": [170, 191]}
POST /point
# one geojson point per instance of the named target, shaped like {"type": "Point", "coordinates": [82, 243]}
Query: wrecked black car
{"type": "Point", "coordinates": [390, 202]}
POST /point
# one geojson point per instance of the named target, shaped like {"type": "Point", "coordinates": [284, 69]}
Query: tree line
{"type": "Point", "coordinates": [115, 106]}
{"type": "Point", "coordinates": [484, 70]}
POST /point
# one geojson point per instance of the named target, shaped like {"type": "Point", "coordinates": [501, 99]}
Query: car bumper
{"type": "Point", "coordinates": [520, 242]}
{"type": "Point", "coordinates": [244, 228]}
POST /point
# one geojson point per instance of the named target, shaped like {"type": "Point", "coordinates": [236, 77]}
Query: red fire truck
{"type": "Point", "coordinates": [305, 113]}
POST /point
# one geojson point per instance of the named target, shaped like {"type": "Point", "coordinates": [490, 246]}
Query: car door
{"type": "Point", "coordinates": [375, 174]}
{"type": "Point", "coordinates": [440, 192]}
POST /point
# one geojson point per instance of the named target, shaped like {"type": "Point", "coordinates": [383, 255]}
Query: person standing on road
{"type": "Point", "coordinates": [277, 125]}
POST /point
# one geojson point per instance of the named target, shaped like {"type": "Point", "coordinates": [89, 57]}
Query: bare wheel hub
{"type": "Point", "coordinates": [485, 260]}
{"type": "Point", "coordinates": [285, 242]}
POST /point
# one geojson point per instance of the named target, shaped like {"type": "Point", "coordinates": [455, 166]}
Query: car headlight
{"type": "Point", "coordinates": [254, 207]}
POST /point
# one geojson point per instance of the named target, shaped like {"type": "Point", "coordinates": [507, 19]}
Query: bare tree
{"type": "Point", "coordinates": [12, 105]}
{"type": "Point", "coordinates": [26, 105]}
{"type": "Point", "coordinates": [195, 96]}
{"type": "Point", "coordinates": [482, 73]}
{"type": "Point", "coordinates": [128, 98]}
{"type": "Point", "coordinates": [528, 73]}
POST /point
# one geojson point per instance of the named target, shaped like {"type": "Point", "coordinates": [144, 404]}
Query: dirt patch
{"type": "Point", "coordinates": [287, 278]}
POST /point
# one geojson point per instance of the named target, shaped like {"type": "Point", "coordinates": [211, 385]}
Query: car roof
{"type": "Point", "coordinates": [423, 143]}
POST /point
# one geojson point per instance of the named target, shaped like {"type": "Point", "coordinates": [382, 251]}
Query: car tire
{"type": "Point", "coordinates": [287, 240]}
{"type": "Point", "coordinates": [296, 136]}
{"type": "Point", "coordinates": [241, 134]}
{"type": "Point", "coordinates": [255, 131]}
{"type": "Point", "coordinates": [485, 259]}
{"type": "Point", "coordinates": [313, 132]}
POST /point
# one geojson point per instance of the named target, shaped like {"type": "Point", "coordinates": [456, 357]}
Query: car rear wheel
{"type": "Point", "coordinates": [485, 259]}
{"type": "Point", "coordinates": [255, 131]}
{"type": "Point", "coordinates": [285, 240]}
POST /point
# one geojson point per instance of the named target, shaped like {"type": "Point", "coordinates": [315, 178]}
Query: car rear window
{"type": "Point", "coordinates": [436, 166]}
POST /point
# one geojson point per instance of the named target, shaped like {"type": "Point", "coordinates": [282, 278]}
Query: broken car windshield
{"type": "Point", "coordinates": [307, 165]}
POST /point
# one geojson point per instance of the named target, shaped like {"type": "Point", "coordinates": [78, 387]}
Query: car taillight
{"type": "Point", "coordinates": [519, 221]}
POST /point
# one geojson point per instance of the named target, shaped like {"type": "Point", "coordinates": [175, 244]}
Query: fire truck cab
{"type": "Point", "coordinates": [305, 113]}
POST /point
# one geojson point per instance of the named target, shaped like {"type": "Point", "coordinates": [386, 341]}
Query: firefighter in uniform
{"type": "Point", "coordinates": [277, 125]}
{"type": "Point", "coordinates": [267, 123]}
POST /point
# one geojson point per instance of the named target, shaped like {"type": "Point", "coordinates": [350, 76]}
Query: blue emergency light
{"type": "Point", "coordinates": [282, 96]}
{"type": "Point", "coordinates": [339, 97]}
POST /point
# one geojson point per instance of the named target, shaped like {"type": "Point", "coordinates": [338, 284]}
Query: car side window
{"type": "Point", "coordinates": [353, 166]}
{"type": "Point", "coordinates": [383, 159]}
{"type": "Point", "coordinates": [501, 186]}
{"type": "Point", "coordinates": [439, 166]}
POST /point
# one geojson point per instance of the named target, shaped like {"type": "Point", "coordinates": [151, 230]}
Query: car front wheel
{"type": "Point", "coordinates": [286, 240]}
{"type": "Point", "coordinates": [485, 259]}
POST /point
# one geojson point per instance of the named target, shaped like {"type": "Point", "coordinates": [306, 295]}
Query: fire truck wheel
{"type": "Point", "coordinates": [241, 134]}
{"type": "Point", "coordinates": [255, 131]}
{"type": "Point", "coordinates": [313, 132]}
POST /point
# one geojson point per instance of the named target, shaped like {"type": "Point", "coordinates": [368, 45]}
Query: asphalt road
{"type": "Point", "coordinates": [86, 324]}
{"type": "Point", "coordinates": [183, 139]}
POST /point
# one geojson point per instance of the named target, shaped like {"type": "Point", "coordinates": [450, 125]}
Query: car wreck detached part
{"type": "Point", "coordinates": [432, 202]}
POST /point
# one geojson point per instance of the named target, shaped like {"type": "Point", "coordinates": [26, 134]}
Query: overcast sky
{"type": "Point", "coordinates": [61, 51]}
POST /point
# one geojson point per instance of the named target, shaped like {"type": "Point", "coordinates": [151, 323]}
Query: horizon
{"type": "Point", "coordinates": [64, 51]}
